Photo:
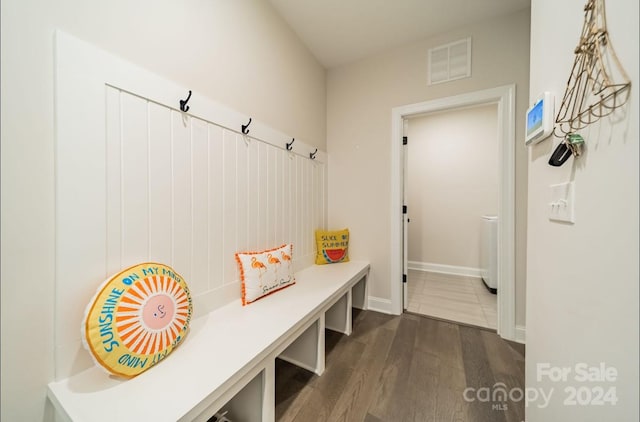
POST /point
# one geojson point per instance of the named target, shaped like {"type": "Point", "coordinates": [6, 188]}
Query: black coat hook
{"type": "Point", "coordinates": [312, 155]}
{"type": "Point", "coordinates": [183, 103]}
{"type": "Point", "coordinates": [290, 144]}
{"type": "Point", "coordinates": [245, 129]}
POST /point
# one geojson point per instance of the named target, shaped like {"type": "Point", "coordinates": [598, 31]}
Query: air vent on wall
{"type": "Point", "coordinates": [450, 62]}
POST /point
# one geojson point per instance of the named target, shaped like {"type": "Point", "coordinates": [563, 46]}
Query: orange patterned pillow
{"type": "Point", "coordinates": [266, 272]}
{"type": "Point", "coordinates": [136, 318]}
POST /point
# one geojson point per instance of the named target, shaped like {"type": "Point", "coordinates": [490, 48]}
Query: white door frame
{"type": "Point", "coordinates": [504, 96]}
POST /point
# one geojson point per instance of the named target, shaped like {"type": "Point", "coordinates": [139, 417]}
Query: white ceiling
{"type": "Point", "coordinates": [340, 31]}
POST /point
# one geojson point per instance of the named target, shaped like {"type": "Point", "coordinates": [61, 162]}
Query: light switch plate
{"type": "Point", "coordinates": [561, 207]}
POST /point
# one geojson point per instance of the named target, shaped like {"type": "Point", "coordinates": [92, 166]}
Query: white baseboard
{"type": "Point", "coordinates": [445, 269]}
{"type": "Point", "coordinates": [521, 334]}
{"type": "Point", "coordinates": [380, 305]}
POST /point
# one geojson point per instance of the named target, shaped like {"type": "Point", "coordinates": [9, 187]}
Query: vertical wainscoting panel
{"type": "Point", "coordinates": [216, 207]}
{"type": "Point", "coordinates": [199, 280]}
{"type": "Point", "coordinates": [253, 196]}
{"type": "Point", "coordinates": [297, 205]}
{"type": "Point", "coordinates": [317, 196]}
{"type": "Point", "coordinates": [181, 194]}
{"type": "Point", "coordinates": [286, 197]}
{"type": "Point", "coordinates": [242, 193]}
{"type": "Point", "coordinates": [269, 203]}
{"type": "Point", "coordinates": [279, 213]}
{"type": "Point", "coordinates": [263, 194]}
{"type": "Point", "coordinates": [138, 180]}
{"type": "Point", "coordinates": [230, 214]}
{"type": "Point", "coordinates": [134, 180]}
{"type": "Point", "coordinates": [304, 208]}
{"type": "Point", "coordinates": [308, 203]}
{"type": "Point", "coordinates": [183, 191]}
{"type": "Point", "coordinates": [113, 156]}
{"type": "Point", "coordinates": [160, 182]}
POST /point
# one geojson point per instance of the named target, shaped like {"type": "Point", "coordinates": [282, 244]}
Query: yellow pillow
{"type": "Point", "coordinates": [265, 272]}
{"type": "Point", "coordinates": [137, 317]}
{"type": "Point", "coordinates": [332, 246]}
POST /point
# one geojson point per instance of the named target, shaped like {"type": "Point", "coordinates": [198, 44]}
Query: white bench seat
{"type": "Point", "coordinates": [228, 358]}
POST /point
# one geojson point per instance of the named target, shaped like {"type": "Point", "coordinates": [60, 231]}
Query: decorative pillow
{"type": "Point", "coordinates": [136, 318]}
{"type": "Point", "coordinates": [332, 246]}
{"type": "Point", "coordinates": [266, 272]}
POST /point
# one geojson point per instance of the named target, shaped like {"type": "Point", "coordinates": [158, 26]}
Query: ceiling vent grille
{"type": "Point", "coordinates": [450, 62]}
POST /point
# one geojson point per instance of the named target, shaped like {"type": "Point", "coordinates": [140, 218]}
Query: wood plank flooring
{"type": "Point", "coordinates": [406, 368]}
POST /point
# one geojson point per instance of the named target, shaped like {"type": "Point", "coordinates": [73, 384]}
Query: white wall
{"type": "Point", "coordinates": [582, 279]}
{"type": "Point", "coordinates": [239, 53]}
{"type": "Point", "coordinates": [360, 97]}
{"type": "Point", "coordinates": [452, 180]}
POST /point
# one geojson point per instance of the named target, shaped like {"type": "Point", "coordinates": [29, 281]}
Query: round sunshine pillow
{"type": "Point", "coordinates": [136, 318]}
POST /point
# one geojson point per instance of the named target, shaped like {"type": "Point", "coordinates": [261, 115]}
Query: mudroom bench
{"type": "Point", "coordinates": [227, 362]}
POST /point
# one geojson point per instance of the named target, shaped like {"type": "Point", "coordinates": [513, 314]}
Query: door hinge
{"type": "Point", "coordinates": [404, 209]}
{"type": "Point", "coordinates": [405, 140]}
{"type": "Point", "coordinates": [404, 278]}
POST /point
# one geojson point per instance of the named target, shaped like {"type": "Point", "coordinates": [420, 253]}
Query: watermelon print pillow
{"type": "Point", "coordinates": [332, 246]}
{"type": "Point", "coordinates": [265, 272]}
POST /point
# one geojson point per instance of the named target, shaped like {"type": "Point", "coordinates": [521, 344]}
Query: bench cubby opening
{"type": "Point", "coordinates": [307, 350]}
{"type": "Point", "coordinates": [252, 403]}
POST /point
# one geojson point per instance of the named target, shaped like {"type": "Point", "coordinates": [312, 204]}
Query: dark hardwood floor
{"type": "Point", "coordinates": [405, 368]}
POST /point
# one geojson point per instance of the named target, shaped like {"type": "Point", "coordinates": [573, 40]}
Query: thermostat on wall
{"type": "Point", "coordinates": [540, 119]}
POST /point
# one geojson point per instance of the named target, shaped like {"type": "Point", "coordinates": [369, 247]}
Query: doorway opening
{"type": "Point", "coordinates": [504, 97]}
{"type": "Point", "coordinates": [451, 189]}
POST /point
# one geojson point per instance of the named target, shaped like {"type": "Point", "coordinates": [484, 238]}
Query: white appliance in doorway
{"type": "Point", "coordinates": [489, 252]}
